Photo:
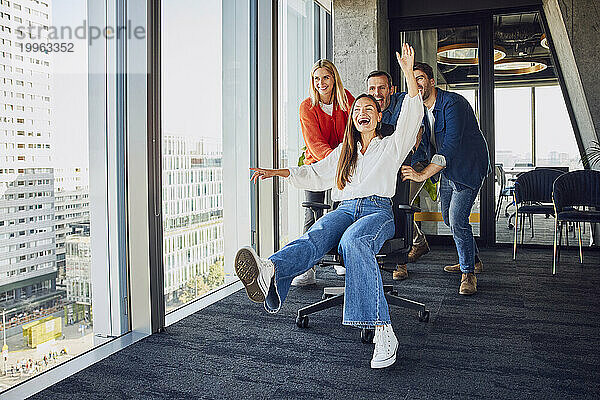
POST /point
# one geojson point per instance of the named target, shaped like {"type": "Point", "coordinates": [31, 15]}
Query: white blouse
{"type": "Point", "coordinates": [376, 170]}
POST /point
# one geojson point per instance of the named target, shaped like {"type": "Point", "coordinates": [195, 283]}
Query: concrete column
{"type": "Point", "coordinates": [360, 40]}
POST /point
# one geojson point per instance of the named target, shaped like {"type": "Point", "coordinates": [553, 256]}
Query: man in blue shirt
{"type": "Point", "coordinates": [379, 84]}
{"type": "Point", "coordinates": [457, 149]}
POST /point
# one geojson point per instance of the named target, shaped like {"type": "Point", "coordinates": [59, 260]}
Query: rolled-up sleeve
{"type": "Point", "coordinates": [438, 159]}
{"type": "Point", "coordinates": [316, 176]}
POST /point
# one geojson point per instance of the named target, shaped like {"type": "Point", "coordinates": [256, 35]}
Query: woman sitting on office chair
{"type": "Point", "coordinates": [362, 175]}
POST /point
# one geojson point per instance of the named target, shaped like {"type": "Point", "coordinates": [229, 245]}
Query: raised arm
{"type": "Point", "coordinates": [411, 114]}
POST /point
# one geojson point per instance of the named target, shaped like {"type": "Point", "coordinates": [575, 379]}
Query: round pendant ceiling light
{"type": "Point", "coordinates": [465, 54]}
{"type": "Point", "coordinates": [544, 42]}
{"type": "Point", "coordinates": [516, 66]}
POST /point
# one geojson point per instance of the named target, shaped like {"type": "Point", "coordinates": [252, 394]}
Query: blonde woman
{"type": "Point", "coordinates": [362, 174]}
{"type": "Point", "coordinates": [323, 117]}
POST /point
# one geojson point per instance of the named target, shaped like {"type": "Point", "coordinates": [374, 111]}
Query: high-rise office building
{"type": "Point", "coordinates": [78, 263]}
{"type": "Point", "coordinates": [192, 210]}
{"type": "Point", "coordinates": [27, 242]}
{"type": "Point", "coordinates": [71, 206]}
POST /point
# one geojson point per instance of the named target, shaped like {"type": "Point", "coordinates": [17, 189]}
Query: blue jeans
{"type": "Point", "coordinates": [358, 227]}
{"type": "Point", "coordinates": [457, 201]}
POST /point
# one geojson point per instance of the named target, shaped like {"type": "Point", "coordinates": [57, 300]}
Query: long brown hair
{"type": "Point", "coordinates": [349, 153]}
{"type": "Point", "coordinates": [340, 99]}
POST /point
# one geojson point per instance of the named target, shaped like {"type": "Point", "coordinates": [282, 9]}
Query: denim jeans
{"type": "Point", "coordinates": [457, 201]}
{"type": "Point", "coordinates": [358, 227]}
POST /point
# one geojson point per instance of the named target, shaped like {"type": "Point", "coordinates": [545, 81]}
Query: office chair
{"type": "Point", "coordinates": [575, 189]}
{"type": "Point", "coordinates": [533, 195]}
{"type": "Point", "coordinates": [394, 252]}
{"type": "Point", "coordinates": [500, 178]}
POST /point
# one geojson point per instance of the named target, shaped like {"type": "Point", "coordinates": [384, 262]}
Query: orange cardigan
{"type": "Point", "coordinates": [322, 132]}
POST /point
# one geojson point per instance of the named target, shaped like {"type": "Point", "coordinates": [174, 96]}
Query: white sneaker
{"type": "Point", "coordinates": [254, 272]}
{"type": "Point", "coordinates": [305, 279]}
{"type": "Point", "coordinates": [339, 270]}
{"type": "Point", "coordinates": [386, 346]}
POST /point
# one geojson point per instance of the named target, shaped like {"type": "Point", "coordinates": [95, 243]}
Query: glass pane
{"type": "Point", "coordinates": [200, 146]}
{"type": "Point", "coordinates": [296, 54]}
{"type": "Point", "coordinates": [513, 126]}
{"type": "Point", "coordinates": [45, 243]}
{"type": "Point", "coordinates": [555, 140]}
{"type": "Point", "coordinates": [533, 129]}
{"type": "Point", "coordinates": [452, 53]}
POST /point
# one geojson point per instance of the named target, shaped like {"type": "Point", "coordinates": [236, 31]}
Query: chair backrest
{"type": "Point", "coordinates": [577, 188]}
{"type": "Point", "coordinates": [401, 196]}
{"type": "Point", "coordinates": [560, 168]}
{"type": "Point", "coordinates": [536, 185]}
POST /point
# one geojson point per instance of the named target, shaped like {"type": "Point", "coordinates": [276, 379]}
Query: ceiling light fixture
{"type": "Point", "coordinates": [518, 66]}
{"type": "Point", "coordinates": [544, 42]}
{"type": "Point", "coordinates": [465, 54]}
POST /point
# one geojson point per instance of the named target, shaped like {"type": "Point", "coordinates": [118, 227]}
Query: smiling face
{"type": "Point", "coordinates": [365, 115]}
{"type": "Point", "coordinates": [424, 84]}
{"type": "Point", "coordinates": [324, 83]}
{"type": "Point", "coordinates": [379, 87]}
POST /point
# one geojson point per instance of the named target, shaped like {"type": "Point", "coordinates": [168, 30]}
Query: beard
{"type": "Point", "coordinates": [425, 93]}
{"type": "Point", "coordinates": [382, 102]}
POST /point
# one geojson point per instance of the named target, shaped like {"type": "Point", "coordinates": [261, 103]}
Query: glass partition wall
{"type": "Point", "coordinates": [532, 125]}
{"type": "Point", "coordinates": [452, 52]}
{"type": "Point", "coordinates": [504, 66]}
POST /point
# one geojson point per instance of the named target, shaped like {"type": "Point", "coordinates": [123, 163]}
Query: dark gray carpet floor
{"type": "Point", "coordinates": [525, 335]}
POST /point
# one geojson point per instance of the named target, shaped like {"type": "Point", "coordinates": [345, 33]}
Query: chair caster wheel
{"type": "Point", "coordinates": [302, 321]}
{"type": "Point", "coordinates": [511, 226]}
{"type": "Point", "coordinates": [367, 335]}
{"type": "Point", "coordinates": [423, 316]}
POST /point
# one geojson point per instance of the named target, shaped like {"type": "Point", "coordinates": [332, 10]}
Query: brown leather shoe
{"type": "Point", "coordinates": [417, 251]}
{"type": "Point", "coordinates": [400, 273]}
{"type": "Point", "coordinates": [468, 284]}
{"type": "Point", "coordinates": [456, 267]}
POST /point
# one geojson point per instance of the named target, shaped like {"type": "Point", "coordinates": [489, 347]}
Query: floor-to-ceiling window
{"type": "Point", "coordinates": [63, 287]}
{"type": "Point", "coordinates": [304, 37]}
{"type": "Point", "coordinates": [205, 142]}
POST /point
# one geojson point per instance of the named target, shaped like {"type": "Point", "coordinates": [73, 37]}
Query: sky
{"type": "Point", "coordinates": [69, 90]}
{"type": "Point", "coordinates": [191, 76]}
{"type": "Point", "coordinates": [513, 121]}
{"type": "Point", "coordinates": [191, 68]}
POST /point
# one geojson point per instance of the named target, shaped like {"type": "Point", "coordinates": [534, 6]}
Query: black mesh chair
{"type": "Point", "coordinates": [533, 195]}
{"type": "Point", "coordinates": [575, 189]}
{"type": "Point", "coordinates": [394, 252]}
